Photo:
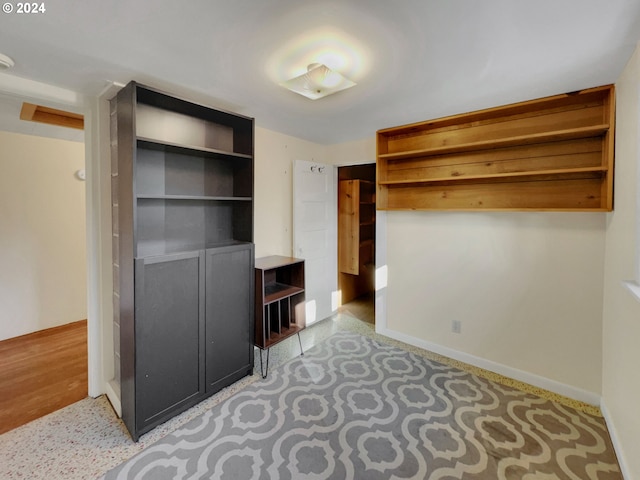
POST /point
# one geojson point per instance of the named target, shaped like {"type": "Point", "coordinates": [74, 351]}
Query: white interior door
{"type": "Point", "coordinates": [315, 213]}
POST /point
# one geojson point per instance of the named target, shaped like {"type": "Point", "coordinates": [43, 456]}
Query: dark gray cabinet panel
{"type": "Point", "coordinates": [169, 335]}
{"type": "Point", "coordinates": [229, 315]}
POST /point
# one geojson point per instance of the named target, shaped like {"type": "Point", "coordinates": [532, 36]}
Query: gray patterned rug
{"type": "Point", "coordinates": [353, 408]}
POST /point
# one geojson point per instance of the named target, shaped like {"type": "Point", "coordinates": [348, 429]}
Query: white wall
{"type": "Point", "coordinates": [526, 286]}
{"type": "Point", "coordinates": [42, 234]}
{"type": "Point", "coordinates": [273, 204]}
{"type": "Point", "coordinates": [353, 153]}
{"type": "Point", "coordinates": [621, 332]}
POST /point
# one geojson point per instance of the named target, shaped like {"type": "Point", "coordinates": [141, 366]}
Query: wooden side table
{"type": "Point", "coordinates": [280, 302]}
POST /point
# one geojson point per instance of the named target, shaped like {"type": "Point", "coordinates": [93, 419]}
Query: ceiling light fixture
{"type": "Point", "coordinates": [5, 62]}
{"type": "Point", "coordinates": [318, 81]}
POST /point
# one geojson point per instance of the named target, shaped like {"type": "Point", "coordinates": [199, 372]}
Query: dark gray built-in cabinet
{"type": "Point", "coordinates": [182, 204]}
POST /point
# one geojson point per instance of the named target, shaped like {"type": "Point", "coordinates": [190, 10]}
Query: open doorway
{"type": "Point", "coordinates": [356, 240]}
{"type": "Point", "coordinates": [43, 287]}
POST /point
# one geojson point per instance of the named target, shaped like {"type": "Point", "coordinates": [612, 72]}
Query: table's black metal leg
{"type": "Point", "coordinates": [300, 342]}
{"type": "Point", "coordinates": [264, 372]}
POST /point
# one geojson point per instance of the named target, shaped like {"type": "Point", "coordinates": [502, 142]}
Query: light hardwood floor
{"type": "Point", "coordinates": [42, 372]}
{"type": "Point", "coordinates": [362, 308]}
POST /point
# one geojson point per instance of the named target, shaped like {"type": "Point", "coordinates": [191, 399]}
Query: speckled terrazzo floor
{"type": "Point", "coordinates": [85, 440]}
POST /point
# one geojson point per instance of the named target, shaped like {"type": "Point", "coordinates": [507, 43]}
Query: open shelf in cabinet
{"type": "Point", "coordinates": [277, 291]}
{"type": "Point", "coordinates": [169, 172]}
{"type": "Point", "coordinates": [152, 144]}
{"type": "Point", "coordinates": [189, 197]}
{"type": "Point", "coordinates": [168, 225]}
{"type": "Point", "coordinates": [554, 153]}
{"type": "Point", "coordinates": [183, 124]}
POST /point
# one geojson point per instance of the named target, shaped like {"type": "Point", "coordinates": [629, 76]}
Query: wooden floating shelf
{"type": "Point", "coordinates": [532, 139]}
{"type": "Point", "coordinates": [554, 153]}
{"type": "Point", "coordinates": [589, 172]}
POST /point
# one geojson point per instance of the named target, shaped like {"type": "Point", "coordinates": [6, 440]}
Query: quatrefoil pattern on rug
{"type": "Point", "coordinates": [354, 408]}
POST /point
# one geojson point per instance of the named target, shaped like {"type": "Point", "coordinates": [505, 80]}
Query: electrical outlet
{"type": "Point", "coordinates": [456, 326]}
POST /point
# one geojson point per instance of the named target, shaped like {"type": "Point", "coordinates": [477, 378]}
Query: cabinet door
{"type": "Point", "coordinates": [169, 335]}
{"type": "Point", "coordinates": [229, 314]}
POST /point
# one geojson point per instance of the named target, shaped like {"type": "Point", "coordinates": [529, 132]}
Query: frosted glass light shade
{"type": "Point", "coordinates": [319, 81]}
{"type": "Point", "coordinates": [5, 62]}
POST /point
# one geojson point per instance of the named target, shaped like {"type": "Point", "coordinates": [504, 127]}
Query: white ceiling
{"type": "Point", "coordinates": [412, 59]}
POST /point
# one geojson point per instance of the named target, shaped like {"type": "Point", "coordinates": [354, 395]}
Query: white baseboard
{"type": "Point", "coordinates": [613, 433]}
{"type": "Point", "coordinates": [114, 398]}
{"type": "Point", "coordinates": [520, 375]}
